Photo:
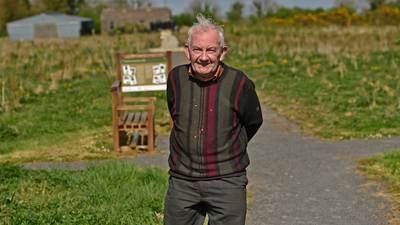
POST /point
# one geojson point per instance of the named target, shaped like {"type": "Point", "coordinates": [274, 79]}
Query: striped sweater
{"type": "Point", "coordinates": [213, 122]}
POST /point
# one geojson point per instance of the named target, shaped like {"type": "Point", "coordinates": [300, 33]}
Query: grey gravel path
{"type": "Point", "coordinates": [298, 180]}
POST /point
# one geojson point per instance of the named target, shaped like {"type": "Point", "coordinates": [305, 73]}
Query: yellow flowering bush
{"type": "Point", "coordinates": [309, 20]}
{"type": "Point", "coordinates": [279, 21]}
{"type": "Point", "coordinates": [341, 16]}
{"type": "Point", "coordinates": [384, 15]}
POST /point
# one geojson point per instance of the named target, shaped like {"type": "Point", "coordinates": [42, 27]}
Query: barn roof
{"type": "Point", "coordinates": [45, 18]}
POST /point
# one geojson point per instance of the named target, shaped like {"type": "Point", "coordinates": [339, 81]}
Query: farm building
{"type": "Point", "coordinates": [131, 18]}
{"type": "Point", "coordinates": [49, 25]}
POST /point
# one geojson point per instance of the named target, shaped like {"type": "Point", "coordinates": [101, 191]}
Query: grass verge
{"type": "Point", "coordinates": [112, 193]}
{"type": "Point", "coordinates": [385, 167]}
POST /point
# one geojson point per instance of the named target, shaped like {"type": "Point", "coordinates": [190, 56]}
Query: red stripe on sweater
{"type": "Point", "coordinates": [234, 136]}
{"type": "Point", "coordinates": [210, 151]}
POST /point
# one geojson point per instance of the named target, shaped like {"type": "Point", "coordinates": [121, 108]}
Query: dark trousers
{"type": "Point", "coordinates": [224, 200]}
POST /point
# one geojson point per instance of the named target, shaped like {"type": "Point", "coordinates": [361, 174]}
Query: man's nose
{"type": "Point", "coordinates": [203, 56]}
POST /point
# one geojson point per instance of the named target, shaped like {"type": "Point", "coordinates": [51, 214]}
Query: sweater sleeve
{"type": "Point", "coordinates": [170, 94]}
{"type": "Point", "coordinates": [250, 110]}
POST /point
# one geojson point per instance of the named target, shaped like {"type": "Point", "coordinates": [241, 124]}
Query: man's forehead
{"type": "Point", "coordinates": [210, 37]}
{"type": "Point", "coordinates": [200, 31]}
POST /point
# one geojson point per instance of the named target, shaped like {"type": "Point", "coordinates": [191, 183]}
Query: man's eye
{"type": "Point", "coordinates": [212, 50]}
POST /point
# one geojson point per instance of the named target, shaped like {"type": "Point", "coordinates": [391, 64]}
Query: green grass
{"type": "Point", "coordinates": [352, 98]}
{"type": "Point", "coordinates": [78, 106]}
{"type": "Point", "coordinates": [385, 167]}
{"type": "Point", "coordinates": [111, 193]}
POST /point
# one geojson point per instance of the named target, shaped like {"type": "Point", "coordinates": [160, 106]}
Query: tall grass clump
{"type": "Point", "coordinates": [112, 193]}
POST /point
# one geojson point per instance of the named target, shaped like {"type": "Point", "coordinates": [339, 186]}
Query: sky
{"type": "Point", "coordinates": [180, 6]}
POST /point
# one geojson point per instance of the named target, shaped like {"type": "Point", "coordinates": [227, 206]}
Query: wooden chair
{"type": "Point", "coordinates": [133, 117]}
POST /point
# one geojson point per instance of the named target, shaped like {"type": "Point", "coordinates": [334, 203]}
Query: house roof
{"type": "Point", "coordinates": [137, 15]}
{"type": "Point", "coordinates": [49, 18]}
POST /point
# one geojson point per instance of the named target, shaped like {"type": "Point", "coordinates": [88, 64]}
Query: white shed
{"type": "Point", "coordinates": [49, 25]}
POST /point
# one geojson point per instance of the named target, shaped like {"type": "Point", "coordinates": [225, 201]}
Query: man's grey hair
{"type": "Point", "coordinates": [204, 24]}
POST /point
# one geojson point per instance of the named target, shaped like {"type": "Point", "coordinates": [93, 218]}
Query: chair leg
{"type": "Point", "coordinates": [116, 143]}
{"type": "Point", "coordinates": [150, 134]}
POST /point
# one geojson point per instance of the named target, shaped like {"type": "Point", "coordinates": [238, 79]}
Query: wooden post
{"type": "Point", "coordinates": [115, 102]}
{"type": "Point", "coordinates": [118, 66]}
{"type": "Point", "coordinates": [169, 61]}
{"type": "Point", "coordinates": [150, 126]}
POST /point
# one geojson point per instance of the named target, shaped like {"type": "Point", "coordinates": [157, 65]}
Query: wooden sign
{"type": "Point", "coordinates": [147, 71]}
{"type": "Point", "coordinates": [143, 72]}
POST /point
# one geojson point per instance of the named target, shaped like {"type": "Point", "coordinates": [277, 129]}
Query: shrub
{"type": "Point", "coordinates": [384, 15]}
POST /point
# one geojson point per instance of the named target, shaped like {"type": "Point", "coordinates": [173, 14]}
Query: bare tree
{"type": "Point", "coordinates": [195, 6]}
{"type": "Point", "coordinates": [264, 7]}
{"type": "Point", "coordinates": [363, 4]}
{"type": "Point", "coordinates": [352, 4]}
{"type": "Point", "coordinates": [207, 7]}
{"type": "Point", "coordinates": [235, 14]}
{"type": "Point", "coordinates": [119, 3]}
{"type": "Point", "coordinates": [139, 3]}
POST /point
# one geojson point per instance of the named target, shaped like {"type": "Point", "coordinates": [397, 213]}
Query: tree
{"type": "Point", "coordinates": [119, 3]}
{"type": "Point", "coordinates": [63, 6]}
{"type": "Point", "coordinates": [206, 7]}
{"type": "Point", "coordinates": [374, 4]}
{"type": "Point", "coordinates": [351, 4]}
{"type": "Point", "coordinates": [139, 3]}
{"type": "Point", "coordinates": [264, 7]}
{"type": "Point", "coordinates": [184, 19]}
{"type": "Point", "coordinates": [364, 4]}
{"type": "Point", "coordinates": [93, 12]}
{"type": "Point", "coordinates": [73, 6]}
{"type": "Point", "coordinates": [12, 10]}
{"type": "Point", "coordinates": [235, 14]}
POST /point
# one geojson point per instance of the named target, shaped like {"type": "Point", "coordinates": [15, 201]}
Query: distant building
{"type": "Point", "coordinates": [49, 25]}
{"type": "Point", "coordinates": [113, 19]}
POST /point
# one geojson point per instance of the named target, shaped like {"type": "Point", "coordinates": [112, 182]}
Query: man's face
{"type": "Point", "coordinates": [205, 52]}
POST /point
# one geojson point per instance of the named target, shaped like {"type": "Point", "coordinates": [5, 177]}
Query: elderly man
{"type": "Point", "coordinates": [215, 111]}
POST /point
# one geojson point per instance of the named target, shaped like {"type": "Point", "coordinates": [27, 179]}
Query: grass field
{"type": "Point", "coordinates": [112, 193]}
{"type": "Point", "coordinates": [334, 82]}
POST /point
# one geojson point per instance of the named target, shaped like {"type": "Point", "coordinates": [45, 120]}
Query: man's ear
{"type": "Point", "coordinates": [187, 54]}
{"type": "Point", "coordinates": [223, 52]}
